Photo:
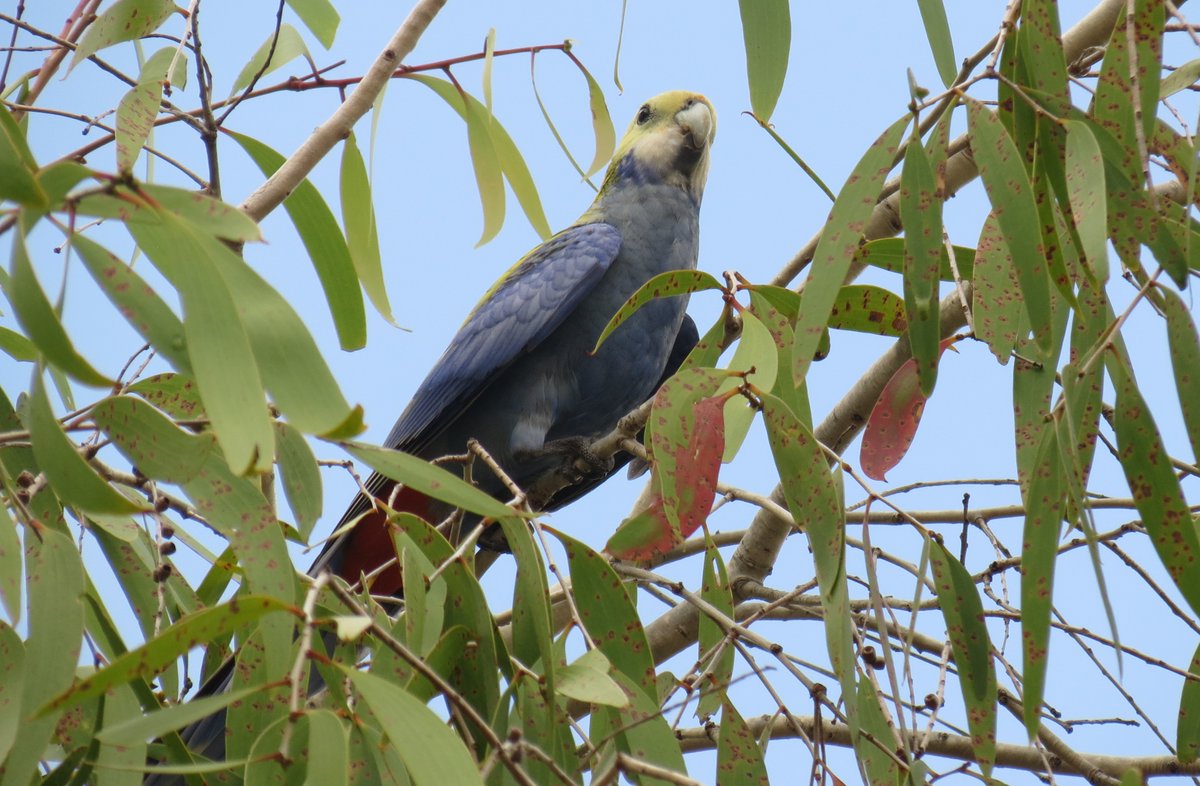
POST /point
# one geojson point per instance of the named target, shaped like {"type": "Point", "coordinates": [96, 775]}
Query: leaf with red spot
{"type": "Point", "coordinates": [669, 284]}
{"type": "Point", "coordinates": [688, 439]}
{"type": "Point", "coordinates": [868, 309]}
{"type": "Point", "coordinates": [644, 535]}
{"type": "Point", "coordinates": [894, 420]}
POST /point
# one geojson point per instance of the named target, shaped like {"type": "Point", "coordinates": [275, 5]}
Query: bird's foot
{"type": "Point", "coordinates": [579, 461]}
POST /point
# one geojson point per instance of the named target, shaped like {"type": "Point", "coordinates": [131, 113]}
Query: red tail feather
{"type": "Point", "coordinates": [370, 545]}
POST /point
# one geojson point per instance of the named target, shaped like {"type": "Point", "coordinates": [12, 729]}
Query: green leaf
{"type": "Point", "coordinates": [1188, 728]}
{"type": "Point", "coordinates": [937, 30]}
{"type": "Point", "coordinates": [839, 240]}
{"type": "Point", "coordinates": [431, 752]}
{"type": "Point", "coordinates": [156, 446]}
{"type": "Point", "coordinates": [10, 572]}
{"type": "Point", "coordinates": [1156, 490]}
{"type": "Point", "coordinates": [739, 759]}
{"type": "Point", "coordinates": [293, 370]}
{"type": "Point", "coordinates": [489, 176]}
{"type": "Point", "coordinates": [1008, 187]}
{"type": "Point", "coordinates": [868, 309]}
{"type": "Point", "coordinates": [669, 284]}
{"type": "Point", "coordinates": [429, 479]}
{"type": "Point", "coordinates": [1000, 319]}
{"type": "Point", "coordinates": [921, 214]}
{"type": "Point", "coordinates": [124, 20]}
{"type": "Point", "coordinates": [587, 680]}
{"type": "Point", "coordinates": [145, 202]}
{"type": "Point", "coordinates": [718, 670]}
{"type": "Point", "coordinates": [326, 247]}
{"type": "Point", "coordinates": [40, 321]}
{"type": "Point", "coordinates": [756, 350]}
{"type": "Point", "coordinates": [69, 473]}
{"type": "Point", "coordinates": [161, 651]}
{"type": "Point", "coordinates": [176, 716]}
{"type": "Point", "coordinates": [362, 237]}
{"type": "Point", "coordinates": [1181, 78]}
{"type": "Point", "coordinates": [282, 47]}
{"type": "Point", "coordinates": [602, 125]}
{"type": "Point", "coordinates": [609, 614]}
{"type": "Point", "coordinates": [300, 475]}
{"type": "Point", "coordinates": [320, 17]}
{"type": "Point", "coordinates": [17, 346]}
{"type": "Point", "coordinates": [174, 394]}
{"type": "Point", "coordinates": [1185, 362]}
{"type": "Point", "coordinates": [1085, 184]}
{"type": "Point", "coordinates": [814, 497]}
{"type": "Point", "coordinates": [1044, 506]}
{"type": "Point", "coordinates": [881, 768]}
{"type": "Point", "coordinates": [55, 583]}
{"type": "Point", "coordinates": [967, 628]}
{"type": "Point", "coordinates": [767, 32]}
{"type": "Point", "coordinates": [887, 253]}
{"type": "Point", "coordinates": [328, 750]}
{"type": "Point", "coordinates": [12, 684]}
{"type": "Point", "coordinates": [145, 311]}
{"type": "Point", "coordinates": [17, 167]}
{"type": "Point", "coordinates": [135, 118]}
{"type": "Point", "coordinates": [226, 370]}
{"type": "Point", "coordinates": [533, 635]}
{"type": "Point", "coordinates": [154, 69]}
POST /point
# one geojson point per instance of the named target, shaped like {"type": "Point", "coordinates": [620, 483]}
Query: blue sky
{"type": "Point", "coordinates": [847, 81]}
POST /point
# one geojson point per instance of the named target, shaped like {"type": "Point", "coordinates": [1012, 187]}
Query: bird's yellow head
{"type": "Point", "coordinates": [668, 140]}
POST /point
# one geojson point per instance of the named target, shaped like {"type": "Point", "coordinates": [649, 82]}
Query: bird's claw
{"type": "Point", "coordinates": [579, 460]}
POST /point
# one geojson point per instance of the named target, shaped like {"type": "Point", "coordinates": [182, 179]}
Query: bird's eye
{"type": "Point", "coordinates": [643, 115]}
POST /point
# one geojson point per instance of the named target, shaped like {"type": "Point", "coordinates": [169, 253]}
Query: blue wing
{"type": "Point", "coordinates": [522, 310]}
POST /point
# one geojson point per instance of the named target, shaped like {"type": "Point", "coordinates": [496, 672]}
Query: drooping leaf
{"type": "Point", "coordinates": [881, 768]}
{"type": "Point", "coordinates": [1187, 737]}
{"type": "Point", "coordinates": [718, 668]}
{"type": "Point", "coordinates": [767, 33]}
{"type": "Point", "coordinates": [362, 235]}
{"type": "Point", "coordinates": [1085, 183]}
{"type": "Point", "coordinates": [839, 240]}
{"type": "Point", "coordinates": [156, 446]}
{"type": "Point", "coordinates": [921, 213]}
{"type": "Point", "coordinates": [222, 357]}
{"type": "Point", "coordinates": [141, 306]}
{"type": "Point", "coordinates": [1008, 187]}
{"type": "Point", "coordinates": [124, 20]}
{"type": "Point", "coordinates": [966, 626]}
{"type": "Point", "coordinates": [40, 321]}
{"type": "Point", "coordinates": [937, 30]}
{"type": "Point", "coordinates": [646, 534]}
{"type": "Point", "coordinates": [688, 440]}
{"type": "Point", "coordinates": [12, 684]}
{"type": "Point", "coordinates": [320, 17]}
{"type": "Point", "coordinates": [326, 247]}
{"type": "Point", "coordinates": [10, 572]}
{"type": "Point", "coordinates": [1185, 362]}
{"type": "Point", "coordinates": [1044, 508]}
{"type": "Point", "coordinates": [300, 475]}
{"type": "Point", "coordinates": [887, 253]}
{"type": "Point", "coordinates": [17, 167]}
{"type": "Point", "coordinates": [739, 758]}
{"type": "Point", "coordinates": [146, 202]}
{"type": "Point", "coordinates": [282, 46]}
{"type": "Point", "coordinates": [135, 118]}
{"type": "Point", "coordinates": [602, 125]}
{"type": "Point", "coordinates": [69, 473]}
{"type": "Point", "coordinates": [431, 752]}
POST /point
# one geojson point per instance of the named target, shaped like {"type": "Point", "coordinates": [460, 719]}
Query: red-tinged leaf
{"type": "Point", "coordinates": [1185, 362]}
{"type": "Point", "coordinates": [1188, 729]}
{"type": "Point", "coordinates": [839, 240]}
{"type": "Point", "coordinates": [1044, 505]}
{"type": "Point", "coordinates": [1156, 490]}
{"type": "Point", "coordinates": [967, 628]}
{"type": "Point", "coordinates": [682, 435]}
{"type": "Point", "coordinates": [869, 309]}
{"type": "Point", "coordinates": [674, 282]}
{"type": "Point", "coordinates": [739, 758]}
{"type": "Point", "coordinates": [645, 535]}
{"type": "Point", "coordinates": [894, 419]}
{"type": "Point", "coordinates": [609, 614]}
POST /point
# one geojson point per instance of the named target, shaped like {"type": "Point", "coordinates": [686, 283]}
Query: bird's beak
{"type": "Point", "coordinates": [697, 124]}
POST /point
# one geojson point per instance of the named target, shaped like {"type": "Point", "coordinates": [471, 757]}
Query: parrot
{"type": "Point", "coordinates": [520, 376]}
